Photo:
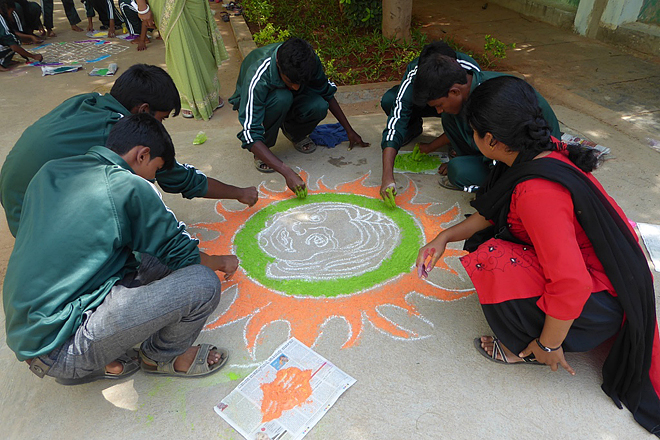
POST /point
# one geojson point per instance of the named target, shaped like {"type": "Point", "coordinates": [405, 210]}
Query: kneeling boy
{"type": "Point", "coordinates": [284, 85]}
{"type": "Point", "coordinates": [75, 297]}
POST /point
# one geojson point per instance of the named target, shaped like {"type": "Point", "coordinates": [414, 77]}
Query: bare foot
{"type": "Point", "coordinates": [76, 28]}
{"type": "Point", "coordinates": [114, 367]}
{"type": "Point", "coordinates": [51, 33]}
{"type": "Point", "coordinates": [185, 360]}
{"type": "Point", "coordinates": [487, 344]}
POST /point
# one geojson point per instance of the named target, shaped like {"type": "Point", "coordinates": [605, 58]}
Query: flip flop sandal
{"type": "Point", "coordinates": [305, 146]}
{"type": "Point", "coordinates": [199, 367]}
{"type": "Point", "coordinates": [130, 367]}
{"type": "Point", "coordinates": [262, 166]}
{"type": "Point", "coordinates": [188, 114]}
{"type": "Point", "coordinates": [220, 104]}
{"type": "Point", "coordinates": [445, 183]}
{"type": "Point", "coordinates": [497, 349]}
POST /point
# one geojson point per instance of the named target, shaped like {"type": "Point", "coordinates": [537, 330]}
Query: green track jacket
{"type": "Point", "coordinates": [399, 117]}
{"type": "Point", "coordinates": [257, 78]}
{"type": "Point", "coordinates": [70, 129]}
{"type": "Point", "coordinates": [83, 218]}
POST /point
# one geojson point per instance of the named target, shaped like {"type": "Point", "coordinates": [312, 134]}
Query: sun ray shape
{"type": "Point", "coordinates": [259, 305]}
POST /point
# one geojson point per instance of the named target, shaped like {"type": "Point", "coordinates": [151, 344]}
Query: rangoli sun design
{"type": "Point", "coordinates": [339, 253]}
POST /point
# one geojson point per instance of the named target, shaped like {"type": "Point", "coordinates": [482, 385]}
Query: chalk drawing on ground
{"type": "Point", "coordinates": [78, 52]}
{"type": "Point", "coordinates": [339, 254]}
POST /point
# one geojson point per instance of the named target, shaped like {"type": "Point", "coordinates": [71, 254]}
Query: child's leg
{"type": "Point", "coordinates": [133, 22]}
{"type": "Point", "coordinates": [71, 14]}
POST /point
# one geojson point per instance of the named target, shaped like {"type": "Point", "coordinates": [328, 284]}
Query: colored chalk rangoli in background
{"type": "Point", "coordinates": [339, 253]}
{"type": "Point", "coordinates": [291, 388]}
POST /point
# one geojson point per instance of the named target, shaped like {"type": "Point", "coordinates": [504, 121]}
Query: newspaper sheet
{"type": "Point", "coordinates": [651, 237]}
{"type": "Point", "coordinates": [286, 396]}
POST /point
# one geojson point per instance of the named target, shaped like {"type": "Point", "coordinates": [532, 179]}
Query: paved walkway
{"type": "Point", "coordinates": [615, 85]}
{"type": "Point", "coordinates": [410, 345]}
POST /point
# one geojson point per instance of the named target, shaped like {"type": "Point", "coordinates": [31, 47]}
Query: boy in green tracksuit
{"type": "Point", "coordinates": [404, 118]}
{"type": "Point", "coordinates": [84, 121]}
{"type": "Point", "coordinates": [283, 85]}
{"type": "Point", "coordinates": [76, 298]}
{"type": "Point", "coordinates": [444, 84]}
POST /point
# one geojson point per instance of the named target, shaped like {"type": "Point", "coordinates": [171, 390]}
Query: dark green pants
{"type": "Point", "coordinates": [296, 113]}
{"type": "Point", "coordinates": [69, 9]}
{"type": "Point", "coordinates": [30, 15]}
{"type": "Point", "coordinates": [469, 167]}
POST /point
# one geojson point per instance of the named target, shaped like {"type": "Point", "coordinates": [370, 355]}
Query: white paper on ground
{"type": "Point", "coordinates": [651, 237]}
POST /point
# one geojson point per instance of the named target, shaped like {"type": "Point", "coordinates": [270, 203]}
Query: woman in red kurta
{"type": "Point", "coordinates": [556, 265]}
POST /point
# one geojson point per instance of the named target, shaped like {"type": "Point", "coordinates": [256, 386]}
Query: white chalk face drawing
{"type": "Point", "coordinates": [328, 240]}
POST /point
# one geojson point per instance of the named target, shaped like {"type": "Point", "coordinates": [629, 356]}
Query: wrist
{"type": "Point", "coordinates": [145, 11]}
{"type": "Point", "coordinates": [545, 348]}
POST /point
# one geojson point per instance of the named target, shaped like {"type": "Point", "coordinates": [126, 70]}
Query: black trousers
{"type": "Point", "coordinates": [518, 322]}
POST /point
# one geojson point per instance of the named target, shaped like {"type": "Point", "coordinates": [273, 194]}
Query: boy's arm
{"type": "Point", "coordinates": [190, 183]}
{"type": "Point", "coordinates": [147, 225]}
{"type": "Point", "coordinates": [25, 54]}
{"type": "Point", "coordinates": [142, 39]}
{"type": "Point", "coordinates": [111, 29]}
{"type": "Point", "coordinates": [353, 137]}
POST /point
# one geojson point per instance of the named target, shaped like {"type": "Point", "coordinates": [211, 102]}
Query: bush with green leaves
{"type": "Point", "coordinates": [363, 13]}
{"type": "Point", "coordinates": [494, 49]}
{"type": "Point", "coordinates": [271, 34]}
{"type": "Point", "coordinates": [258, 11]}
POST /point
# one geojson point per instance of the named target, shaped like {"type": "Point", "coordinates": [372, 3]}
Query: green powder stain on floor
{"type": "Point", "coordinates": [150, 419]}
{"type": "Point", "coordinates": [233, 376]}
{"type": "Point", "coordinates": [424, 162]}
{"type": "Point", "coordinates": [255, 261]}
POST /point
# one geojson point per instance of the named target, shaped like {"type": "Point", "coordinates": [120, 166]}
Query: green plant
{"type": "Point", "coordinates": [271, 34]}
{"type": "Point", "coordinates": [258, 11]}
{"type": "Point", "coordinates": [494, 49]}
{"type": "Point", "coordinates": [363, 13]}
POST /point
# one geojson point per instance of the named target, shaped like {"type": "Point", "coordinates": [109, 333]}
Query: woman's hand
{"type": "Point", "coordinates": [551, 358]}
{"type": "Point", "coordinates": [149, 19]}
{"type": "Point", "coordinates": [431, 252]}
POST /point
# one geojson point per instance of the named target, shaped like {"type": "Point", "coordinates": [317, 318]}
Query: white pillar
{"type": "Point", "coordinates": [619, 12]}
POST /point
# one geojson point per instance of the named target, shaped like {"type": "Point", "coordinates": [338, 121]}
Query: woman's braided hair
{"type": "Point", "coordinates": [507, 107]}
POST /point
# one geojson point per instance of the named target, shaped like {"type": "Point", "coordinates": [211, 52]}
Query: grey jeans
{"type": "Point", "coordinates": [163, 310]}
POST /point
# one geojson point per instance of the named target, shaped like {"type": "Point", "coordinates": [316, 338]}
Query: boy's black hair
{"type": "Point", "coordinates": [508, 108]}
{"type": "Point", "coordinates": [437, 47]}
{"type": "Point", "coordinates": [144, 130]}
{"type": "Point", "coordinates": [144, 83]}
{"type": "Point", "coordinates": [297, 60]}
{"type": "Point", "coordinates": [436, 74]}
{"type": "Point", "coordinates": [5, 5]}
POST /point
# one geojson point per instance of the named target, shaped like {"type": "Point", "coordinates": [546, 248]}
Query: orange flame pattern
{"type": "Point", "coordinates": [307, 315]}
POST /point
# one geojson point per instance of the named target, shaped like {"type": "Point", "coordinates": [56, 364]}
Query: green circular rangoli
{"type": "Point", "coordinates": [390, 238]}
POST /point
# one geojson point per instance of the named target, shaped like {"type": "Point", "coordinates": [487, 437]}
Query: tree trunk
{"type": "Point", "coordinates": [396, 19]}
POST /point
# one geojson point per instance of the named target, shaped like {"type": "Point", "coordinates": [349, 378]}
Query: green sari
{"type": "Point", "coordinates": [193, 52]}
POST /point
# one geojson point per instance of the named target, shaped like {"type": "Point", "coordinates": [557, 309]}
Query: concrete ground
{"type": "Point", "coordinates": [419, 378]}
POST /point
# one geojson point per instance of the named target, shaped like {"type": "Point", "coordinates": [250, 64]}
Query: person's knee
{"type": "Point", "coordinates": [314, 109]}
{"type": "Point", "coordinates": [206, 285]}
{"type": "Point", "coordinates": [279, 100]}
{"type": "Point", "coordinates": [467, 171]}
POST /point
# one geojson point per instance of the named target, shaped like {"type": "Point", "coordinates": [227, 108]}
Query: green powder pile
{"type": "Point", "coordinates": [412, 163]}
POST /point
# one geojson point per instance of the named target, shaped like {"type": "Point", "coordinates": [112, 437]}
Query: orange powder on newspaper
{"type": "Point", "coordinates": [290, 388]}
